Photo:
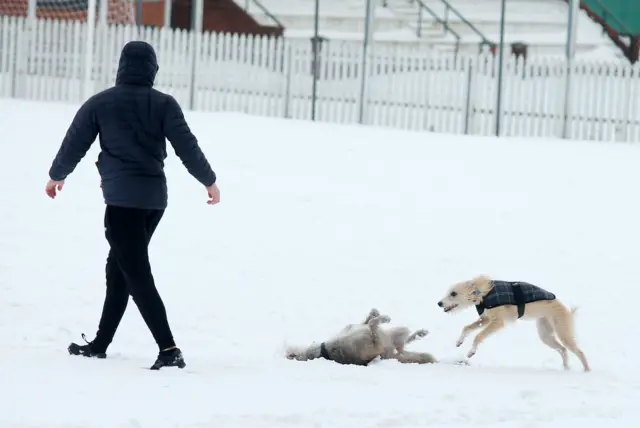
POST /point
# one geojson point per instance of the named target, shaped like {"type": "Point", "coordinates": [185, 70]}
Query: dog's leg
{"type": "Point", "coordinates": [397, 337]}
{"type": "Point", "coordinates": [491, 328]}
{"type": "Point", "coordinates": [563, 326]}
{"type": "Point", "coordinates": [547, 336]}
{"type": "Point", "coordinates": [372, 314]}
{"type": "Point", "coordinates": [374, 325]}
{"type": "Point", "coordinates": [418, 334]}
{"type": "Point", "coordinates": [400, 337]}
{"type": "Point", "coordinates": [468, 329]}
{"type": "Point", "coordinates": [407, 357]}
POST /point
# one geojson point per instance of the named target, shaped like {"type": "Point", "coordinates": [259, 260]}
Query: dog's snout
{"type": "Point", "coordinates": [440, 303]}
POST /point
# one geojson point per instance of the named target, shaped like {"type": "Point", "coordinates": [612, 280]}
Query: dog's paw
{"type": "Point", "coordinates": [383, 319]}
{"type": "Point", "coordinates": [422, 332]}
{"type": "Point", "coordinates": [459, 343]}
{"type": "Point", "coordinates": [471, 353]}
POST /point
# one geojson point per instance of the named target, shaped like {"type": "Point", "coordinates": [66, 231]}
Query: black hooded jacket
{"type": "Point", "coordinates": [132, 120]}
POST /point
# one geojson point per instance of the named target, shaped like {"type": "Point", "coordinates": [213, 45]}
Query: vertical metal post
{"type": "Point", "coordinates": [138, 12]}
{"type": "Point", "coordinates": [631, 76]}
{"type": "Point", "coordinates": [368, 32]}
{"type": "Point", "coordinates": [195, 38]}
{"type": "Point", "coordinates": [88, 49]}
{"type": "Point", "coordinates": [197, 13]}
{"type": "Point", "coordinates": [500, 67]}
{"type": "Point", "coordinates": [26, 45]}
{"type": "Point", "coordinates": [167, 13]}
{"type": "Point", "coordinates": [570, 48]}
{"type": "Point", "coordinates": [101, 43]}
{"type": "Point", "coordinates": [467, 104]}
{"type": "Point", "coordinates": [32, 6]}
{"type": "Point", "coordinates": [288, 57]}
{"type": "Point", "coordinates": [103, 9]}
{"type": "Point", "coordinates": [316, 40]}
{"type": "Point", "coordinates": [18, 52]}
{"type": "Point", "coordinates": [574, 9]}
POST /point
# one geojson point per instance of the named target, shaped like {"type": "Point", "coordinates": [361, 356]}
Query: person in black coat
{"type": "Point", "coordinates": [132, 121]}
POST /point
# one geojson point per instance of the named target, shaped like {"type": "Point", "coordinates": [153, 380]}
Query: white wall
{"type": "Point", "coordinates": [409, 88]}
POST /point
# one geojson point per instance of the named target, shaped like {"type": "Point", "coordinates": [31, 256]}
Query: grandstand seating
{"type": "Point", "coordinates": [540, 24]}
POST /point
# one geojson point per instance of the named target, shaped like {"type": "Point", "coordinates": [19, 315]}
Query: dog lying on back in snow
{"type": "Point", "coordinates": [501, 302]}
{"type": "Point", "coordinates": [359, 344]}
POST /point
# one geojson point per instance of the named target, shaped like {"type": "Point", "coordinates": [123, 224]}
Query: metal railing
{"type": "Point", "coordinates": [445, 24]}
{"type": "Point", "coordinates": [448, 7]}
{"type": "Point", "coordinates": [264, 11]}
{"type": "Point", "coordinates": [445, 21]}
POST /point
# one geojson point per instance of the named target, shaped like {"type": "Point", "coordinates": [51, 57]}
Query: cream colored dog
{"type": "Point", "coordinates": [500, 302]}
{"type": "Point", "coordinates": [359, 344]}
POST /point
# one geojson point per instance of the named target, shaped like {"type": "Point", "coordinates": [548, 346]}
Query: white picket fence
{"type": "Point", "coordinates": [407, 88]}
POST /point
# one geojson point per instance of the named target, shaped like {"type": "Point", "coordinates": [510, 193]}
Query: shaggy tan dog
{"type": "Point", "coordinates": [359, 344]}
{"type": "Point", "coordinates": [501, 302]}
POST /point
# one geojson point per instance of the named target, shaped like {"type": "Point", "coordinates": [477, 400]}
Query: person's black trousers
{"type": "Point", "coordinates": [128, 272]}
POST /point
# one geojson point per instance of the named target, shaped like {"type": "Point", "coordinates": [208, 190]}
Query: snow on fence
{"type": "Point", "coordinates": [410, 88]}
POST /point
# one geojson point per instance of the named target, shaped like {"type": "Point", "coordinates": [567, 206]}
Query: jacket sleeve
{"type": "Point", "coordinates": [185, 144]}
{"type": "Point", "coordinates": [81, 134]}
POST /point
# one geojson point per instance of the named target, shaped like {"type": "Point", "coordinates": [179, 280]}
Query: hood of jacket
{"type": "Point", "coordinates": [138, 65]}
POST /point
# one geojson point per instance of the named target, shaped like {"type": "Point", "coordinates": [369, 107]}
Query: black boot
{"type": "Point", "coordinates": [85, 350]}
{"type": "Point", "coordinates": [170, 358]}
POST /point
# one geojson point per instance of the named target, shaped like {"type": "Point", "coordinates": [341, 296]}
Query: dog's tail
{"type": "Point", "coordinates": [572, 324]}
{"type": "Point", "coordinates": [408, 357]}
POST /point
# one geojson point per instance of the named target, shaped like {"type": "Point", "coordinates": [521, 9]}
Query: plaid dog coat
{"type": "Point", "coordinates": [513, 293]}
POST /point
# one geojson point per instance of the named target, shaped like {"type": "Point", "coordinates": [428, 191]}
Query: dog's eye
{"type": "Point", "coordinates": [454, 294]}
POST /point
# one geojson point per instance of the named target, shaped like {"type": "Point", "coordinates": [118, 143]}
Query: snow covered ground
{"type": "Point", "coordinates": [318, 223]}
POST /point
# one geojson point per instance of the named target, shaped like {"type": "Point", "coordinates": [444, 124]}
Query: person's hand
{"type": "Point", "coordinates": [214, 194]}
{"type": "Point", "coordinates": [53, 187]}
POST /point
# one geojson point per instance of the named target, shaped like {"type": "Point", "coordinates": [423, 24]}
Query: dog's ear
{"type": "Point", "coordinates": [475, 296]}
